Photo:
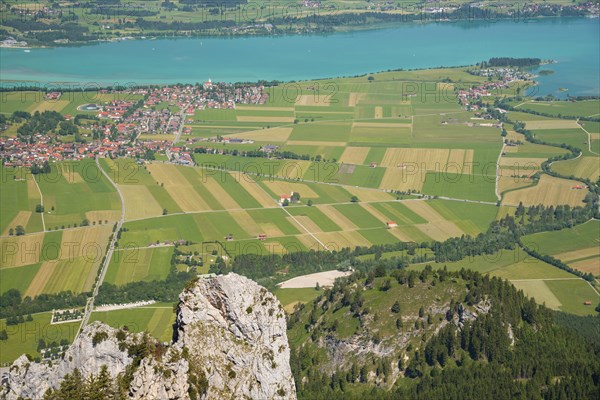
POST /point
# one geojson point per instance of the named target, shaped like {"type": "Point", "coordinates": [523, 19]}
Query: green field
{"type": "Point", "coordinates": [18, 196]}
{"type": "Point", "coordinates": [156, 319]}
{"type": "Point", "coordinates": [292, 296]}
{"type": "Point", "coordinates": [555, 242]}
{"type": "Point", "coordinates": [17, 278]}
{"type": "Point", "coordinates": [131, 265]}
{"type": "Point", "coordinates": [23, 338]}
{"type": "Point", "coordinates": [558, 289]}
{"type": "Point", "coordinates": [73, 189]}
{"type": "Point", "coordinates": [586, 108]}
{"type": "Point", "coordinates": [468, 187]}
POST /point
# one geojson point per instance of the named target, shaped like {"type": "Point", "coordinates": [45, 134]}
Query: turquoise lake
{"type": "Point", "coordinates": [573, 42]}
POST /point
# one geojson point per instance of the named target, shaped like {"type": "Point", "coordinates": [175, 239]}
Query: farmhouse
{"type": "Point", "coordinates": [391, 224]}
{"type": "Point", "coordinates": [262, 236]}
{"type": "Point", "coordinates": [285, 197]}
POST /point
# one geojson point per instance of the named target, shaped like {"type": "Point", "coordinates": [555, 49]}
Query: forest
{"type": "Point", "coordinates": [514, 350]}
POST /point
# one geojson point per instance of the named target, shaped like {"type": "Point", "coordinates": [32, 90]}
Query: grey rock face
{"type": "Point", "coordinates": [31, 380]}
{"type": "Point", "coordinates": [235, 331]}
{"type": "Point", "coordinates": [231, 343]}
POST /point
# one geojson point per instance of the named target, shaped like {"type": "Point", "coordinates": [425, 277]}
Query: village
{"type": "Point", "coordinates": [114, 128]}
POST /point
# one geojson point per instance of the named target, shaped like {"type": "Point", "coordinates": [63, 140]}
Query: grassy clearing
{"type": "Point", "coordinates": [66, 201]}
{"type": "Point", "coordinates": [290, 297]}
{"type": "Point", "coordinates": [572, 294]}
{"type": "Point", "coordinates": [132, 265]}
{"type": "Point", "coordinates": [23, 338]}
{"type": "Point", "coordinates": [155, 319]}
{"type": "Point", "coordinates": [548, 191]}
{"type": "Point", "coordinates": [18, 196]}
{"type": "Point", "coordinates": [471, 218]}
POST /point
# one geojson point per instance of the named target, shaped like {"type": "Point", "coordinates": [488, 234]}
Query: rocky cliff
{"type": "Point", "coordinates": [230, 343]}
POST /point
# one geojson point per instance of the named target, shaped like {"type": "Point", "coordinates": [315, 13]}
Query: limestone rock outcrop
{"type": "Point", "coordinates": [230, 342]}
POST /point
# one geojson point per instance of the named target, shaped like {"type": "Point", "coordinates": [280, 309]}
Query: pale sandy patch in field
{"type": "Point", "coordinates": [339, 240]}
{"type": "Point", "coordinates": [354, 155]}
{"type": "Point", "coordinates": [313, 100]}
{"type": "Point", "coordinates": [515, 136]}
{"type": "Point", "coordinates": [159, 136]}
{"type": "Point", "coordinates": [585, 167]}
{"type": "Point", "coordinates": [278, 134]}
{"type": "Point", "coordinates": [378, 112]}
{"type": "Point", "coordinates": [315, 143]}
{"type": "Point", "coordinates": [364, 194]}
{"type": "Point", "coordinates": [54, 105]}
{"type": "Point", "coordinates": [507, 182]}
{"type": "Point", "coordinates": [380, 125]}
{"type": "Point", "coordinates": [246, 221]}
{"type": "Point", "coordinates": [254, 118]}
{"type": "Point", "coordinates": [540, 292]}
{"type": "Point", "coordinates": [180, 189]}
{"type": "Point", "coordinates": [22, 218]}
{"type": "Point", "coordinates": [308, 223]}
{"type": "Point", "coordinates": [32, 190]}
{"type": "Point", "coordinates": [89, 242]}
{"type": "Point", "coordinates": [219, 193]}
{"type": "Point", "coordinates": [310, 242]}
{"type": "Point", "coordinates": [523, 163]}
{"type": "Point", "coordinates": [428, 159]}
{"type": "Point", "coordinates": [284, 187]}
{"type": "Point", "coordinates": [338, 218]}
{"type": "Point", "coordinates": [16, 251]}
{"type": "Point", "coordinates": [271, 230]}
{"type": "Point", "coordinates": [41, 278]}
{"type": "Point", "coordinates": [68, 172]}
{"type": "Point", "coordinates": [456, 158]}
{"type": "Point", "coordinates": [375, 212]}
{"type": "Point", "coordinates": [595, 136]}
{"type": "Point", "coordinates": [438, 228]}
{"type": "Point", "coordinates": [549, 191]}
{"type": "Point", "coordinates": [353, 99]}
{"type": "Point", "coordinates": [591, 265]}
{"type": "Point", "coordinates": [402, 236]}
{"type": "Point", "coordinates": [245, 107]}
{"type": "Point", "coordinates": [103, 215]}
{"type": "Point", "coordinates": [552, 124]}
{"type": "Point", "coordinates": [254, 190]}
{"type": "Point", "coordinates": [577, 254]}
{"type": "Point", "coordinates": [402, 179]}
{"type": "Point", "coordinates": [139, 202]}
{"type": "Point", "coordinates": [323, 278]}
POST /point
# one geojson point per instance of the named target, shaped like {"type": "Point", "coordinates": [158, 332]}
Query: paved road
{"type": "Point", "coordinates": [90, 304]}
{"type": "Point", "coordinates": [182, 122]}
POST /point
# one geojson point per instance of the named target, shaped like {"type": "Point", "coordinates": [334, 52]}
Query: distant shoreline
{"type": "Point", "coordinates": [174, 35]}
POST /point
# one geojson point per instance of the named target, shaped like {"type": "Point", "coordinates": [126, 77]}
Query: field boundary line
{"type": "Point", "coordinates": [546, 279]}
{"type": "Point", "coordinates": [296, 221]}
{"type": "Point", "coordinates": [593, 288]}
{"type": "Point", "coordinates": [589, 141]}
{"type": "Point", "coordinates": [498, 170]}
{"type": "Point", "coordinates": [41, 202]}
{"type": "Point", "coordinates": [111, 248]}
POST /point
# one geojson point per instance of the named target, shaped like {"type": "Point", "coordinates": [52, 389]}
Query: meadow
{"type": "Point", "coordinates": [18, 195]}
{"type": "Point", "coordinates": [52, 262]}
{"type": "Point", "coordinates": [131, 265]}
{"type": "Point", "coordinates": [578, 247]}
{"type": "Point", "coordinates": [75, 191]}
{"type": "Point", "coordinates": [558, 289]}
{"type": "Point", "coordinates": [23, 338]}
{"type": "Point", "coordinates": [156, 319]}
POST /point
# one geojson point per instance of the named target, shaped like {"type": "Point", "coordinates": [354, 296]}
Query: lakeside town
{"type": "Point", "coordinates": [114, 128]}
